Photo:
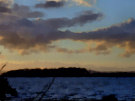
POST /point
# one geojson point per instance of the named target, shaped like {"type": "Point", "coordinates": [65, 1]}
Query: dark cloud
{"type": "Point", "coordinates": [83, 18]}
{"type": "Point", "coordinates": [119, 35]}
{"type": "Point", "coordinates": [61, 3]}
{"type": "Point", "coordinates": [18, 12]}
{"type": "Point", "coordinates": [51, 4]}
{"type": "Point", "coordinates": [86, 16]}
{"type": "Point", "coordinates": [26, 36]}
{"type": "Point", "coordinates": [34, 35]}
{"type": "Point", "coordinates": [4, 7]}
{"type": "Point", "coordinates": [25, 12]}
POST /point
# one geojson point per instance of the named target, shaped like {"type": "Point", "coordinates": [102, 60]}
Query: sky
{"type": "Point", "coordinates": [93, 34]}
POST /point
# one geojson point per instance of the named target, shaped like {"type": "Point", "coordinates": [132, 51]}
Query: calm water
{"type": "Point", "coordinates": [76, 88]}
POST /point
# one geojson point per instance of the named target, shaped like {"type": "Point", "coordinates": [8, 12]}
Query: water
{"type": "Point", "coordinates": [76, 88]}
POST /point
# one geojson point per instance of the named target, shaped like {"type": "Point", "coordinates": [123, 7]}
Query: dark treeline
{"type": "Point", "coordinates": [64, 72]}
{"type": "Point", "coordinates": [60, 72]}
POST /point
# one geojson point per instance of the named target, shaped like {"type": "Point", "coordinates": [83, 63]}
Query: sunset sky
{"type": "Point", "coordinates": [95, 34]}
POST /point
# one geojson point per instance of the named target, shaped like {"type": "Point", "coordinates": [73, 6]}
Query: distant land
{"type": "Point", "coordinates": [64, 72]}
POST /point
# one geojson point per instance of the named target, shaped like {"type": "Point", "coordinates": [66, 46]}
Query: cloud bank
{"type": "Point", "coordinates": [26, 35]}
{"type": "Point", "coordinates": [19, 32]}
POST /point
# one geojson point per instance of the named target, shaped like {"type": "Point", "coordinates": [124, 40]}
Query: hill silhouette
{"type": "Point", "coordinates": [60, 72]}
{"type": "Point", "coordinates": [64, 72]}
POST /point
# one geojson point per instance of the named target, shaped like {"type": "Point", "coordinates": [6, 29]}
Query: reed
{"type": "Point", "coordinates": [43, 92]}
{"type": "Point", "coordinates": [3, 66]}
